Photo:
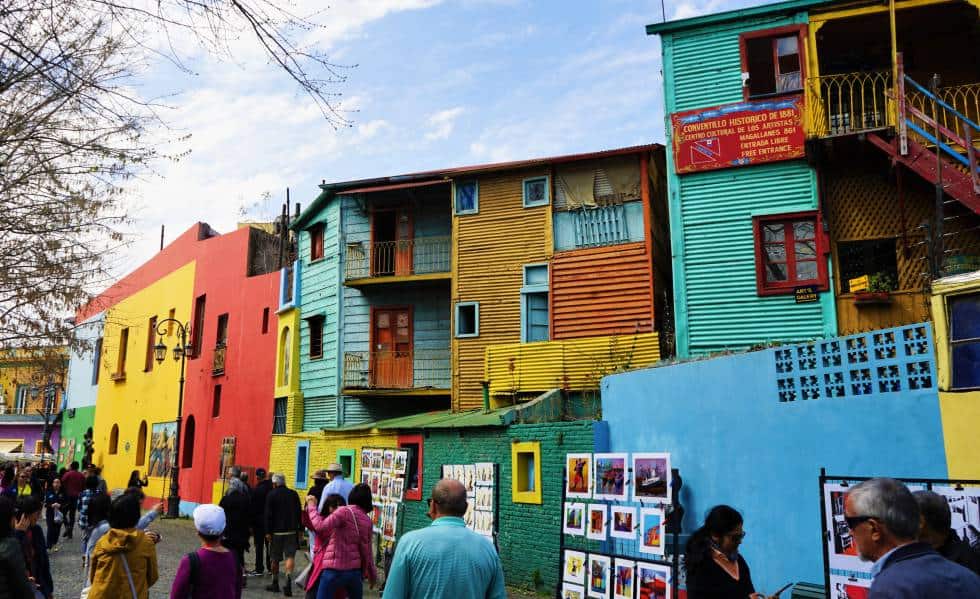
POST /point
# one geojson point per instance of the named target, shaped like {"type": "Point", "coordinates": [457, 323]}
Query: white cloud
{"type": "Point", "coordinates": [441, 123]}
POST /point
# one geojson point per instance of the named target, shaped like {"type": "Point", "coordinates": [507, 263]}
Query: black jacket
{"type": "Point", "coordinates": [236, 507]}
{"type": "Point", "coordinates": [710, 581]}
{"type": "Point", "coordinates": [257, 503]}
{"type": "Point", "coordinates": [957, 550]}
{"type": "Point", "coordinates": [13, 571]}
{"type": "Point", "coordinates": [37, 549]}
{"type": "Point", "coordinates": [916, 571]}
{"type": "Point", "coordinates": [282, 511]}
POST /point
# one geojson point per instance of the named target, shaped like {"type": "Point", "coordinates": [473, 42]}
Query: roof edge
{"type": "Point", "coordinates": [788, 6]}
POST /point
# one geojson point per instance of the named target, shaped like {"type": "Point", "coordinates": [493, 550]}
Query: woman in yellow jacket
{"type": "Point", "coordinates": [124, 562]}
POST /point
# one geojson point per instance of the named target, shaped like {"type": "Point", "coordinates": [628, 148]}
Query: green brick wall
{"type": "Point", "coordinates": [528, 533]}
{"type": "Point", "coordinates": [74, 427]}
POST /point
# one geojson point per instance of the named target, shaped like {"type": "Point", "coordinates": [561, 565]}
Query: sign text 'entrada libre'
{"type": "Point", "coordinates": [737, 135]}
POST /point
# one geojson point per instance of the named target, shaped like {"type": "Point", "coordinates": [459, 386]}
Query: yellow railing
{"type": "Point", "coordinates": [964, 98]}
{"type": "Point", "coordinates": [848, 103]}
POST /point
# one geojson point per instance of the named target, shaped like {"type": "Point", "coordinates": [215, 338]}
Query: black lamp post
{"type": "Point", "coordinates": [180, 352]}
{"type": "Point", "coordinates": [50, 393]}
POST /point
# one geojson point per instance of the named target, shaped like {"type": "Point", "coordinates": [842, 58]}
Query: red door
{"type": "Point", "coordinates": [391, 352]}
{"type": "Point", "coordinates": [403, 243]}
{"type": "Point", "coordinates": [391, 247]}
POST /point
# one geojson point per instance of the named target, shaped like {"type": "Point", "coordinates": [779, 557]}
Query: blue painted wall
{"type": "Point", "coordinates": [564, 226]}
{"type": "Point", "coordinates": [740, 431]}
{"type": "Point", "coordinates": [81, 392]}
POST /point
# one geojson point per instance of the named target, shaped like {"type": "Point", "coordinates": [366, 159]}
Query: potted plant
{"type": "Point", "coordinates": [880, 286]}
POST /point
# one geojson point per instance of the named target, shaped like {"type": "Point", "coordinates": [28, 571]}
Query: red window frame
{"type": "Point", "coordinates": [765, 288]}
{"type": "Point", "coordinates": [414, 494]}
{"type": "Point", "coordinates": [316, 242]}
{"type": "Point", "coordinates": [801, 36]}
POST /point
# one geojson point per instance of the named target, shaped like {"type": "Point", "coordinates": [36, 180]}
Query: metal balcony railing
{"type": "Point", "coordinates": [418, 369]}
{"type": "Point", "coordinates": [962, 99]}
{"type": "Point", "coordinates": [848, 103]}
{"type": "Point", "coordinates": [218, 362]}
{"type": "Point", "coordinates": [423, 255]}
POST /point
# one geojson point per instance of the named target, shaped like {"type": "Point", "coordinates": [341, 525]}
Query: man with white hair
{"type": "Point", "coordinates": [884, 520]}
{"type": "Point", "coordinates": [282, 529]}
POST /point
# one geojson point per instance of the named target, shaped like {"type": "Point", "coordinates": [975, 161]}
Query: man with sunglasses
{"type": "Point", "coordinates": [884, 520]}
{"type": "Point", "coordinates": [445, 560]}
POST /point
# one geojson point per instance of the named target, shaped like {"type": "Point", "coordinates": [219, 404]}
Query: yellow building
{"type": "Point", "coordinates": [31, 386]}
{"type": "Point", "coordinates": [955, 310]}
{"type": "Point", "coordinates": [137, 397]}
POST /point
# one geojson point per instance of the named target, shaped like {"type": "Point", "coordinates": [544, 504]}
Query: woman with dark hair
{"type": "Point", "coordinates": [715, 570]}
{"type": "Point", "coordinates": [330, 504]}
{"type": "Point", "coordinates": [13, 570]}
{"type": "Point", "coordinates": [32, 543]}
{"type": "Point", "coordinates": [136, 481]}
{"type": "Point", "coordinates": [345, 559]}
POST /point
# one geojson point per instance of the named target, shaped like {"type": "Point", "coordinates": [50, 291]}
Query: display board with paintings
{"type": "Point", "coordinates": [616, 504]}
{"type": "Point", "coordinates": [846, 575]}
{"type": "Point", "coordinates": [480, 480]}
{"type": "Point", "coordinates": [384, 470]}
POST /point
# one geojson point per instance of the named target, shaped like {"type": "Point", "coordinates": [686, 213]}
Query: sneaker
{"type": "Point", "coordinates": [255, 573]}
{"type": "Point", "coordinates": [287, 591]}
{"type": "Point", "coordinates": [274, 587]}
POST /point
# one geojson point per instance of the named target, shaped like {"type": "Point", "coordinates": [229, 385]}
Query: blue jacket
{"type": "Point", "coordinates": [916, 571]}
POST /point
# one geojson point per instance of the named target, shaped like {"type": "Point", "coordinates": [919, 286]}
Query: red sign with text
{"type": "Point", "coordinates": [738, 134]}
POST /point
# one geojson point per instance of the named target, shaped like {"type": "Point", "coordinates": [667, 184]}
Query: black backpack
{"type": "Point", "coordinates": [194, 561]}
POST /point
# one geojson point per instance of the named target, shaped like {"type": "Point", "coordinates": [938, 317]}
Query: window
{"type": "Point", "coordinates": [413, 478]}
{"type": "Point", "coordinates": [772, 61]}
{"type": "Point", "coordinates": [525, 464]}
{"type": "Point", "coordinates": [534, 303]}
{"type": "Point", "coordinates": [302, 464]}
{"type": "Point", "coordinates": [96, 360]}
{"type": "Point", "coordinates": [141, 445]}
{"type": "Point", "coordinates": [537, 192]}
{"type": "Point", "coordinates": [964, 340]}
{"type": "Point", "coordinates": [216, 402]}
{"type": "Point", "coordinates": [265, 320]}
{"type": "Point", "coordinates": [789, 253]}
{"type": "Point", "coordinates": [221, 338]}
{"type": "Point", "coordinates": [285, 350]}
{"type": "Point", "coordinates": [197, 333]}
{"type": "Point", "coordinates": [279, 416]}
{"type": "Point", "coordinates": [114, 440]}
{"type": "Point", "coordinates": [188, 443]}
{"type": "Point", "coordinates": [467, 197]}
{"type": "Point", "coordinates": [23, 391]}
{"type": "Point", "coordinates": [467, 319]}
{"type": "Point", "coordinates": [121, 359]}
{"type": "Point", "coordinates": [151, 339]}
{"type": "Point", "coordinates": [288, 285]}
{"type": "Point", "coordinates": [345, 457]}
{"type": "Point", "coordinates": [39, 447]}
{"type": "Point", "coordinates": [867, 257]}
{"type": "Point", "coordinates": [316, 335]}
{"type": "Point", "coordinates": [316, 242]}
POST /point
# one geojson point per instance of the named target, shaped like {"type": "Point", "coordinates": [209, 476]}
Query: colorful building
{"type": "Point", "coordinates": [224, 288]}
{"type": "Point", "coordinates": [792, 173]}
{"type": "Point", "coordinates": [78, 415]}
{"type": "Point", "coordinates": [32, 386]}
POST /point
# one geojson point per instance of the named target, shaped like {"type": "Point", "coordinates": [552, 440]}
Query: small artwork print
{"type": "Point", "coordinates": [964, 511]}
{"type": "Point", "coordinates": [651, 477]}
{"type": "Point", "coordinates": [599, 574]}
{"type": "Point", "coordinates": [579, 471]}
{"type": "Point", "coordinates": [574, 522]}
{"type": "Point", "coordinates": [396, 489]}
{"type": "Point", "coordinates": [610, 476]}
{"type": "Point", "coordinates": [841, 547]}
{"type": "Point", "coordinates": [572, 591]}
{"type": "Point", "coordinates": [388, 459]}
{"type": "Point", "coordinates": [458, 473]}
{"type": "Point", "coordinates": [376, 517]}
{"type": "Point", "coordinates": [469, 477]}
{"type": "Point", "coordinates": [365, 459]}
{"type": "Point", "coordinates": [483, 523]}
{"type": "Point", "coordinates": [390, 522]}
{"type": "Point", "coordinates": [597, 522]}
{"type": "Point", "coordinates": [366, 477]}
{"type": "Point", "coordinates": [622, 522]}
{"type": "Point", "coordinates": [484, 474]}
{"type": "Point", "coordinates": [624, 579]}
{"type": "Point", "coordinates": [375, 484]}
{"type": "Point", "coordinates": [377, 457]}
{"type": "Point", "coordinates": [574, 570]}
{"type": "Point", "coordinates": [484, 498]}
{"type": "Point", "coordinates": [401, 460]}
{"type": "Point", "coordinates": [845, 587]}
{"type": "Point", "coordinates": [383, 488]}
{"type": "Point", "coordinates": [468, 517]}
{"type": "Point", "coordinates": [652, 530]}
{"type": "Point", "coordinates": [652, 581]}
{"type": "Point", "coordinates": [447, 471]}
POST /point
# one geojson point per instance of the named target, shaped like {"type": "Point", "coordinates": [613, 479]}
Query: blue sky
{"type": "Point", "coordinates": [437, 84]}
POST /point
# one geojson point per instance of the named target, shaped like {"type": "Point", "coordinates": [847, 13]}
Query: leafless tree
{"type": "Point", "coordinates": [73, 130]}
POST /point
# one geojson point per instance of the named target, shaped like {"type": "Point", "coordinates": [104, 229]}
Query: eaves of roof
{"type": "Point", "coordinates": [790, 6]}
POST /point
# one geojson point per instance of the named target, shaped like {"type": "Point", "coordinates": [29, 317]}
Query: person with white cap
{"type": "Point", "coordinates": [211, 572]}
{"type": "Point", "coordinates": [338, 485]}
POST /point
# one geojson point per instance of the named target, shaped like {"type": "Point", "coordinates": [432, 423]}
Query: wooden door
{"type": "Point", "coordinates": [403, 242]}
{"type": "Point", "coordinates": [391, 351]}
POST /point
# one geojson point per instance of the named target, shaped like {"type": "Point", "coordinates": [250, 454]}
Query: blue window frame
{"type": "Point", "coordinates": [289, 286]}
{"type": "Point", "coordinates": [302, 464]}
{"type": "Point", "coordinates": [467, 319]}
{"type": "Point", "coordinates": [534, 304]}
{"type": "Point", "coordinates": [964, 340]}
{"type": "Point", "coordinates": [537, 191]}
{"type": "Point", "coordinates": [467, 197]}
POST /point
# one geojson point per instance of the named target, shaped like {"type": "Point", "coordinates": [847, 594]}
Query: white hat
{"type": "Point", "coordinates": [209, 519]}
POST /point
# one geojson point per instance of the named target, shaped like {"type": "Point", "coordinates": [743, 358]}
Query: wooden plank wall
{"type": "Point", "coordinates": [601, 291]}
{"type": "Point", "coordinates": [489, 251]}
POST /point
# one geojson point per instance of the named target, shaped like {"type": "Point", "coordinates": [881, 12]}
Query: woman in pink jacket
{"type": "Point", "coordinates": [343, 549]}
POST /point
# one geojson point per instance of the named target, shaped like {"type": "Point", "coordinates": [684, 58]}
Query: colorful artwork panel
{"type": "Point", "coordinates": [652, 530]}
{"type": "Point", "coordinates": [624, 579]}
{"type": "Point", "coordinates": [578, 468]}
{"type": "Point", "coordinates": [161, 448]}
{"type": "Point", "coordinates": [651, 477]}
{"type": "Point", "coordinates": [622, 522]}
{"type": "Point", "coordinates": [652, 581]}
{"type": "Point", "coordinates": [610, 476]}
{"type": "Point", "coordinates": [599, 576]}
{"type": "Point", "coordinates": [574, 519]}
{"type": "Point", "coordinates": [574, 568]}
{"type": "Point", "coordinates": [596, 529]}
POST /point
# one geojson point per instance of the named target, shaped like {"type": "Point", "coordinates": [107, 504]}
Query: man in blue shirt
{"type": "Point", "coordinates": [884, 520]}
{"type": "Point", "coordinates": [446, 560]}
{"type": "Point", "coordinates": [338, 485]}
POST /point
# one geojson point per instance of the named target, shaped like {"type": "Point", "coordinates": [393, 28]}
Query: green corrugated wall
{"type": "Point", "coordinates": [716, 305]}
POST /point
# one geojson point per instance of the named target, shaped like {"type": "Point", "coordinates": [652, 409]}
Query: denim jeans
{"type": "Point", "coordinates": [349, 580]}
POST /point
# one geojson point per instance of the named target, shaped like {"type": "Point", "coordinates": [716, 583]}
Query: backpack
{"type": "Point", "coordinates": [194, 560]}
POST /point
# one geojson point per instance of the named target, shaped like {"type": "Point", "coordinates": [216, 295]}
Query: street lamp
{"type": "Point", "coordinates": [180, 352]}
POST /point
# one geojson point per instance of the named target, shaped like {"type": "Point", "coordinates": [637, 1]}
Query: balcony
{"type": "Point", "coordinates": [422, 371]}
{"type": "Point", "coordinates": [849, 103]}
{"type": "Point", "coordinates": [218, 361]}
{"type": "Point", "coordinates": [419, 259]}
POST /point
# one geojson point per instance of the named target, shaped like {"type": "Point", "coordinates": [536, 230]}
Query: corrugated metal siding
{"type": "Point", "coordinates": [490, 249]}
{"type": "Point", "coordinates": [601, 291]}
{"type": "Point", "coordinates": [576, 364]}
{"type": "Point", "coordinates": [724, 310]}
{"type": "Point", "coordinates": [319, 295]}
